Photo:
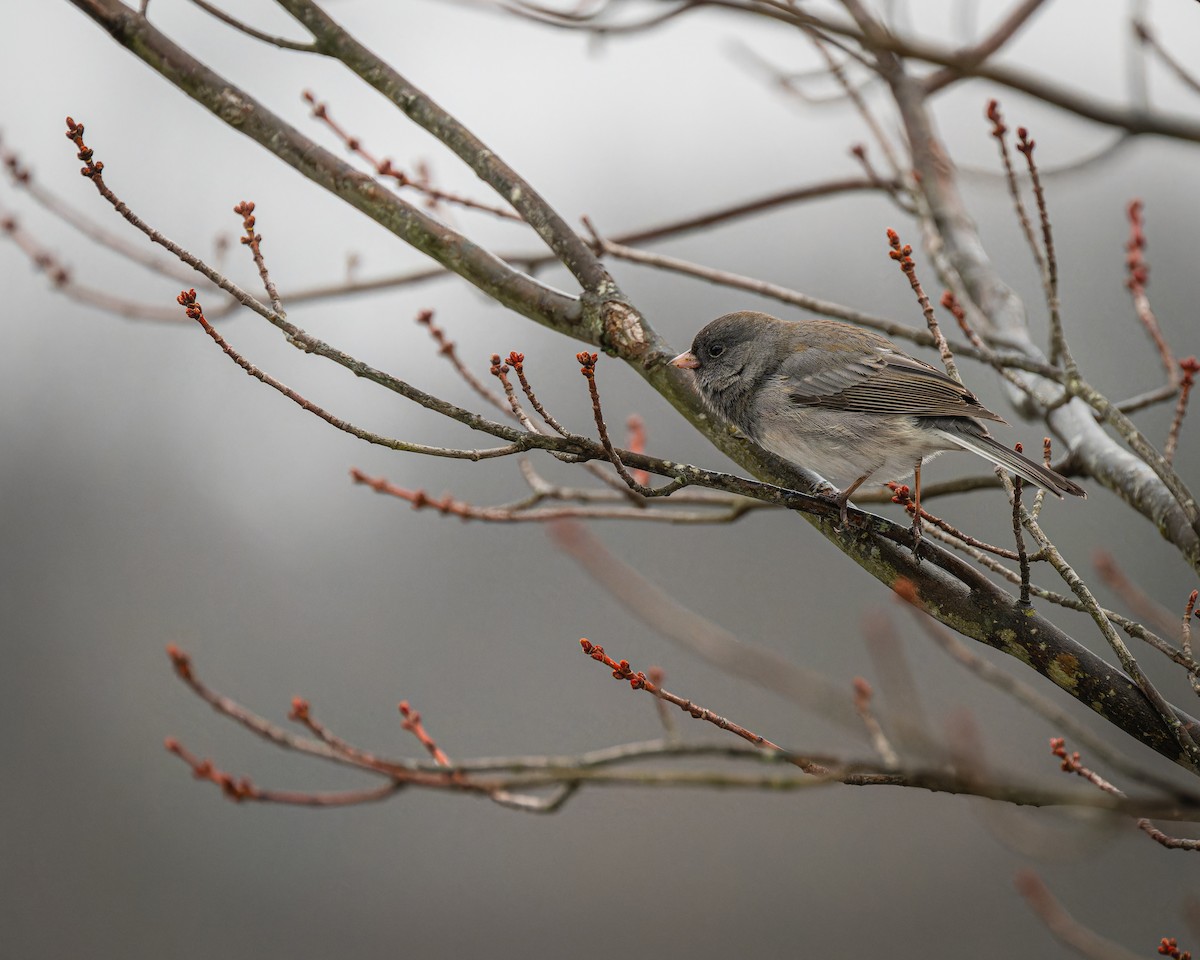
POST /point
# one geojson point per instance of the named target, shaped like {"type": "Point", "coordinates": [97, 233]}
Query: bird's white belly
{"type": "Point", "coordinates": [842, 448]}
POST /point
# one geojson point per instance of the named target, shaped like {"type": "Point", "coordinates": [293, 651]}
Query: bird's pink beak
{"type": "Point", "coordinates": [686, 361]}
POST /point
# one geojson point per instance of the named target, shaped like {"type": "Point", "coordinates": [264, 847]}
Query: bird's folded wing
{"type": "Point", "coordinates": [881, 381]}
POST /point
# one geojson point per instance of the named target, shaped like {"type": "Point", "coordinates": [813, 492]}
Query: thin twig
{"type": "Point", "coordinates": [1137, 279]}
{"type": "Point", "coordinates": [639, 681]}
{"type": "Point", "coordinates": [1062, 925]}
{"type": "Point", "coordinates": [525, 511]}
{"type": "Point", "coordinates": [384, 167]}
{"type": "Point", "coordinates": [1071, 764]}
{"type": "Point", "coordinates": [1137, 599]}
{"type": "Point", "coordinates": [1059, 351]}
{"type": "Point", "coordinates": [281, 42]}
{"type": "Point", "coordinates": [1186, 639]}
{"type": "Point", "coordinates": [879, 739]}
{"type": "Point", "coordinates": [187, 299]}
{"type": "Point", "coordinates": [902, 254]}
{"type": "Point", "coordinates": [412, 723]}
{"type": "Point", "coordinates": [448, 349]}
{"type": "Point", "coordinates": [902, 494]}
{"type": "Point", "coordinates": [1181, 734]}
{"type": "Point", "coordinates": [517, 361]}
{"type": "Point", "coordinates": [1022, 556]}
{"type": "Point", "coordinates": [1190, 366]}
{"type": "Point", "coordinates": [587, 367]}
{"type": "Point", "coordinates": [1144, 34]}
{"type": "Point", "coordinates": [253, 240]}
{"type": "Point", "coordinates": [499, 370]}
{"type": "Point", "coordinates": [1000, 134]}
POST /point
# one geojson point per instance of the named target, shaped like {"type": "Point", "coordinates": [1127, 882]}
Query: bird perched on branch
{"type": "Point", "coordinates": [844, 403]}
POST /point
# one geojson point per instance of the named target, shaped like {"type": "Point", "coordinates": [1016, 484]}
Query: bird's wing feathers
{"type": "Point", "coordinates": [879, 380]}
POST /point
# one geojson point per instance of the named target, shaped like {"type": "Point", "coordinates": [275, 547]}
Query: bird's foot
{"type": "Point", "coordinates": [843, 505]}
{"type": "Point", "coordinates": [916, 535]}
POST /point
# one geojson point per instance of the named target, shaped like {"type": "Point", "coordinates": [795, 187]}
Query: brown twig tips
{"type": "Point", "coordinates": [20, 173]}
{"type": "Point", "coordinates": [253, 240]}
{"type": "Point", "coordinates": [245, 210]}
{"type": "Point", "coordinates": [499, 369]}
{"type": "Point", "coordinates": [41, 258]}
{"type": "Point", "coordinates": [1044, 256]}
{"type": "Point", "coordinates": [993, 114]}
{"type": "Point", "coordinates": [1190, 366]}
{"type": "Point", "coordinates": [93, 169]}
{"type": "Point", "coordinates": [902, 494]}
{"type": "Point", "coordinates": [384, 167]}
{"type": "Point", "coordinates": [1025, 144]}
{"type": "Point", "coordinates": [449, 349]}
{"type": "Point", "coordinates": [318, 108]}
{"type": "Point", "coordinates": [902, 254]}
{"type": "Point", "coordinates": [419, 499]}
{"type": "Point", "coordinates": [862, 693]}
{"type": "Point", "coordinates": [587, 367]}
{"type": "Point", "coordinates": [187, 300]}
{"type": "Point", "coordinates": [950, 303]}
{"type": "Point", "coordinates": [1169, 947]}
{"type": "Point", "coordinates": [1071, 763]}
{"type": "Point", "coordinates": [1135, 249]}
{"type": "Point", "coordinates": [621, 670]}
{"type": "Point", "coordinates": [412, 723]}
{"type": "Point", "coordinates": [237, 790]}
{"type": "Point", "coordinates": [181, 662]}
{"type": "Point", "coordinates": [1137, 279]}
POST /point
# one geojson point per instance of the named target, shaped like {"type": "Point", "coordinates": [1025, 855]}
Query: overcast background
{"type": "Point", "coordinates": [150, 493]}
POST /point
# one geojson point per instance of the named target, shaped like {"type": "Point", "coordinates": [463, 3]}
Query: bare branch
{"type": "Point", "coordinates": [282, 42]}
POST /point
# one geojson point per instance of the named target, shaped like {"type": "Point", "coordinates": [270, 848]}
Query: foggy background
{"type": "Point", "coordinates": [151, 493]}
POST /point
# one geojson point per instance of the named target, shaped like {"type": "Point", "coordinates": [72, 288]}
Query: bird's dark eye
{"type": "Point", "coordinates": [716, 349]}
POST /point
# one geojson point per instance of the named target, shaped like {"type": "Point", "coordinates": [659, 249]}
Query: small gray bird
{"type": "Point", "coordinates": [844, 402]}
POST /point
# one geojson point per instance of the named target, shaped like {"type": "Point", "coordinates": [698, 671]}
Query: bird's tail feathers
{"type": "Point", "coordinates": [1036, 473]}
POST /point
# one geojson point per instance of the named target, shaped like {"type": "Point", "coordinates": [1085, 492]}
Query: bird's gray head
{"type": "Point", "coordinates": [731, 357]}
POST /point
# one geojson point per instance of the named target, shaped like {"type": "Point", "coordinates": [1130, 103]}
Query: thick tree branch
{"type": "Point", "coordinates": [336, 42]}
{"type": "Point", "coordinates": [246, 115]}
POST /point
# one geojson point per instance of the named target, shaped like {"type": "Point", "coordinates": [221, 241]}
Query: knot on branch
{"type": "Point", "coordinates": [621, 330]}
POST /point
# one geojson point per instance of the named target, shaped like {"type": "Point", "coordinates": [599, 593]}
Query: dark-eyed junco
{"type": "Point", "coordinates": [844, 402]}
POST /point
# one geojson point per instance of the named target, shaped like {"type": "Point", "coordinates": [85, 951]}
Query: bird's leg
{"type": "Point", "coordinates": [843, 499]}
{"type": "Point", "coordinates": [916, 524]}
